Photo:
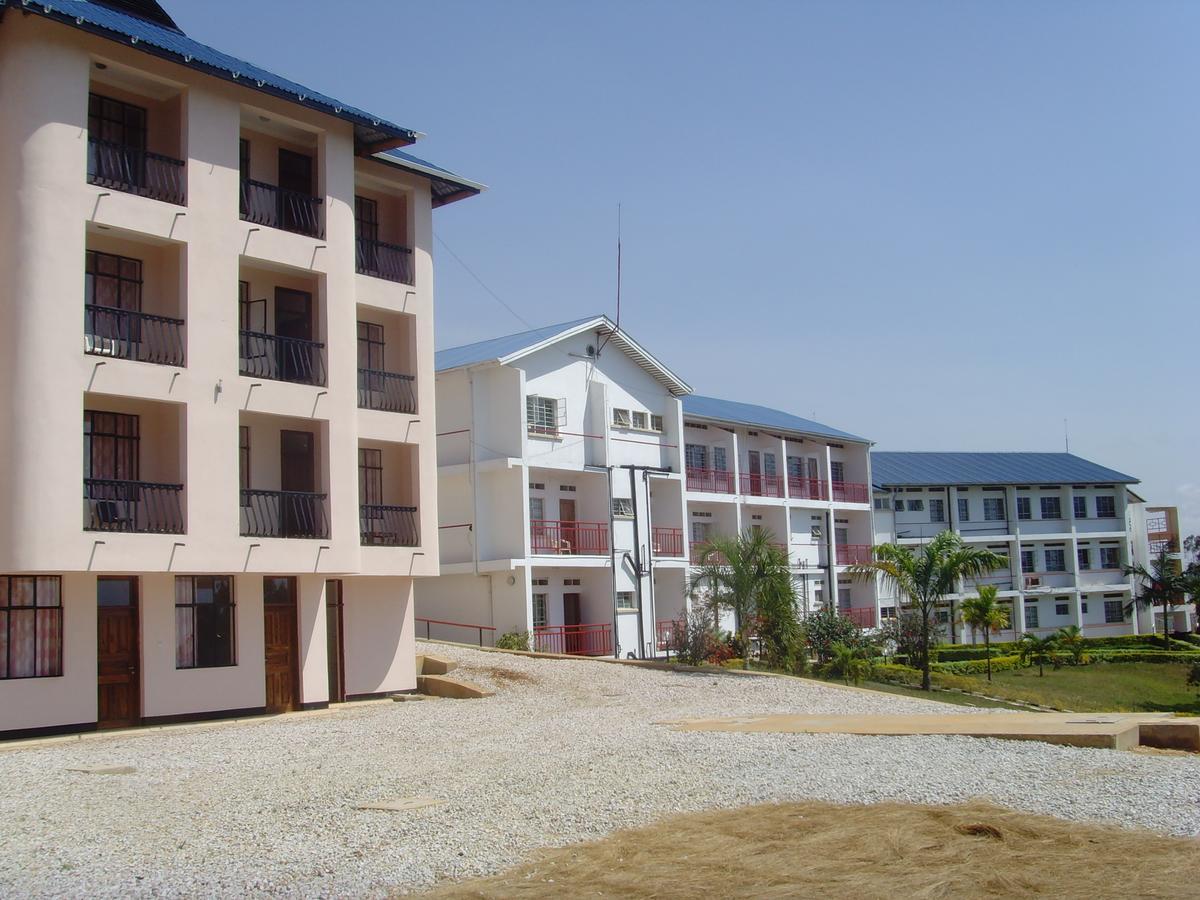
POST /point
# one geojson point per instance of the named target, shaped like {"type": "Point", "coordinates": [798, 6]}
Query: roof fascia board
{"type": "Point", "coordinates": [837, 439]}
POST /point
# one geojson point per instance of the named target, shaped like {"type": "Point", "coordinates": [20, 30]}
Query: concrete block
{"type": "Point", "coordinates": [453, 688]}
{"type": "Point", "coordinates": [1171, 734]}
{"type": "Point", "coordinates": [435, 665]}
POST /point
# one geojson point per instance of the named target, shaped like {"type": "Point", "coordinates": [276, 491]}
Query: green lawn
{"type": "Point", "coordinates": [952, 697]}
{"type": "Point", "coordinates": [1113, 687]}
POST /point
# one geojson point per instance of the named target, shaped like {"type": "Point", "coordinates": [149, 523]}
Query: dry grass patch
{"type": "Point", "coordinates": [500, 675]}
{"type": "Point", "coordinates": [888, 850]}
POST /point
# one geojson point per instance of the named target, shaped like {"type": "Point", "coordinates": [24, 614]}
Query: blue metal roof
{"type": "Point", "coordinates": [890, 469]}
{"type": "Point", "coordinates": [763, 416]}
{"type": "Point", "coordinates": [447, 186]}
{"type": "Point", "coordinates": [498, 348]}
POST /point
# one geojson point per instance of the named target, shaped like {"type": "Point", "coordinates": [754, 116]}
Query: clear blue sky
{"type": "Point", "coordinates": [941, 225]}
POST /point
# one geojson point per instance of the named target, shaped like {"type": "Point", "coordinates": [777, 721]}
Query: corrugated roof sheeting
{"type": "Point", "coordinates": [890, 468]}
{"type": "Point", "coordinates": [499, 347]}
{"type": "Point", "coordinates": [762, 416]}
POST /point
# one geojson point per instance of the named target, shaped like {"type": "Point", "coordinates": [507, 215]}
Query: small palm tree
{"type": "Point", "coordinates": [925, 575]}
{"type": "Point", "coordinates": [1038, 650]}
{"type": "Point", "coordinates": [1164, 584]}
{"type": "Point", "coordinates": [986, 613]}
{"type": "Point", "coordinates": [850, 662]}
{"type": "Point", "coordinates": [748, 576]}
{"type": "Point", "coordinates": [1070, 638]}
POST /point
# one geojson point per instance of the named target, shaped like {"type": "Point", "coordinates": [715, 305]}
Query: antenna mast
{"type": "Point", "coordinates": [618, 265]}
{"type": "Point", "coordinates": [1066, 436]}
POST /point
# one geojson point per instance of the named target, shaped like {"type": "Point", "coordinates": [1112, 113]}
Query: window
{"type": "Point", "coordinates": [569, 488]}
{"type": "Point", "coordinates": [31, 626]}
{"type": "Point", "coordinates": [539, 610]}
{"type": "Point", "coordinates": [1114, 611]}
{"type": "Point", "coordinates": [1084, 556]}
{"type": "Point", "coordinates": [622, 507]}
{"type": "Point", "coordinates": [937, 510]}
{"type": "Point", "coordinates": [244, 158]}
{"type": "Point", "coordinates": [1027, 561]}
{"type": "Point", "coordinates": [883, 503]}
{"type": "Point", "coordinates": [366, 223]}
{"type": "Point", "coordinates": [943, 617]}
{"type": "Point", "coordinates": [1031, 617]}
{"type": "Point", "coordinates": [1061, 609]}
{"type": "Point", "coordinates": [112, 281]}
{"type": "Point", "coordinates": [1110, 557]}
{"type": "Point", "coordinates": [244, 461]}
{"type": "Point", "coordinates": [1024, 510]}
{"type": "Point", "coordinates": [641, 420]}
{"type": "Point", "coordinates": [993, 509]}
{"type": "Point", "coordinates": [696, 456]}
{"type": "Point", "coordinates": [815, 533]}
{"type": "Point", "coordinates": [110, 446]}
{"type": "Point", "coordinates": [1106, 507]}
{"type": "Point", "coordinates": [571, 582]}
{"type": "Point", "coordinates": [1079, 505]}
{"type": "Point", "coordinates": [1083, 607]}
{"type": "Point", "coordinates": [625, 600]}
{"type": "Point", "coordinates": [370, 347]}
{"type": "Point", "coordinates": [720, 463]}
{"type": "Point", "coordinates": [887, 612]}
{"type": "Point", "coordinates": [537, 509]}
{"type": "Point", "coordinates": [537, 485]}
{"type": "Point", "coordinates": [769, 464]}
{"type": "Point", "coordinates": [1051, 507]}
{"type": "Point", "coordinates": [203, 621]}
{"type": "Point", "coordinates": [114, 122]}
{"type": "Point", "coordinates": [837, 470]}
{"type": "Point", "coordinates": [964, 510]}
{"type": "Point", "coordinates": [656, 423]}
{"type": "Point", "coordinates": [370, 477]}
{"type": "Point", "coordinates": [1055, 560]}
{"type": "Point", "coordinates": [540, 582]}
{"type": "Point", "coordinates": [916, 505]}
{"type": "Point", "coordinates": [544, 415]}
{"type": "Point", "coordinates": [620, 418]}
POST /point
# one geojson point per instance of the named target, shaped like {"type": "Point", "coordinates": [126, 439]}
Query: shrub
{"type": "Point", "coordinates": [694, 640]}
{"type": "Point", "coordinates": [513, 640]}
{"type": "Point", "coordinates": [1145, 656]}
{"type": "Point", "coordinates": [903, 633]}
{"type": "Point", "coordinates": [897, 674]}
{"type": "Point", "coordinates": [978, 666]}
{"type": "Point", "coordinates": [848, 663]}
{"type": "Point", "coordinates": [960, 654]}
{"type": "Point", "coordinates": [827, 627]}
{"type": "Point", "coordinates": [1187, 638]}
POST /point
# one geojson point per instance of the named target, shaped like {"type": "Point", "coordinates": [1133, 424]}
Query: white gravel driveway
{"type": "Point", "coordinates": [567, 750]}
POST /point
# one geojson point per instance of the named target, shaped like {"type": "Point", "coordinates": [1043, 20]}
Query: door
{"type": "Point", "coordinates": [297, 478]}
{"type": "Point", "coordinates": [294, 352]}
{"type": "Point", "coordinates": [335, 649]}
{"type": "Point", "coordinates": [280, 644]}
{"type": "Point", "coordinates": [296, 209]}
{"type": "Point", "coordinates": [573, 640]}
{"type": "Point", "coordinates": [118, 685]}
{"type": "Point", "coordinates": [755, 472]}
{"type": "Point", "coordinates": [569, 534]}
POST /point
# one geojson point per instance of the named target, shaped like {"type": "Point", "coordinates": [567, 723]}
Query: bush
{"type": "Point", "coordinates": [513, 640]}
{"type": "Point", "coordinates": [1187, 638]}
{"type": "Point", "coordinates": [827, 627]}
{"type": "Point", "coordinates": [848, 663]}
{"type": "Point", "coordinates": [903, 633]}
{"type": "Point", "coordinates": [897, 674]}
{"type": "Point", "coordinates": [1145, 656]}
{"type": "Point", "coordinates": [978, 666]}
{"type": "Point", "coordinates": [694, 640]}
{"type": "Point", "coordinates": [960, 654]}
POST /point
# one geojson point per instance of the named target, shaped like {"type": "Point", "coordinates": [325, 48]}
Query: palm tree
{"type": "Point", "coordinates": [1070, 638]}
{"type": "Point", "coordinates": [850, 662]}
{"type": "Point", "coordinates": [1038, 650]}
{"type": "Point", "coordinates": [1164, 584]}
{"type": "Point", "coordinates": [986, 613]}
{"type": "Point", "coordinates": [924, 577]}
{"type": "Point", "coordinates": [748, 576]}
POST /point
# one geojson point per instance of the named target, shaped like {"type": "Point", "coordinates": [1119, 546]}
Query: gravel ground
{"type": "Point", "coordinates": [567, 750]}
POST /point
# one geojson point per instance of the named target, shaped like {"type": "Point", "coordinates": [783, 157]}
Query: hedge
{"type": "Point", "coordinates": [896, 674]}
{"type": "Point", "coordinates": [978, 666]}
{"type": "Point", "coordinates": [1146, 656]}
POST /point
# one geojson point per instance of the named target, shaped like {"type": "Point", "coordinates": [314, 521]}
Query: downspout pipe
{"type": "Point", "coordinates": [612, 563]}
{"type": "Point", "coordinates": [637, 561]}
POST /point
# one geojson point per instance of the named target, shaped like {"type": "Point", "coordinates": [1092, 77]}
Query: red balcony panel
{"type": "Point", "coordinates": [665, 630]}
{"type": "Point", "coordinates": [697, 555]}
{"type": "Point", "coordinates": [862, 616]}
{"type": "Point", "coordinates": [569, 538]}
{"type": "Point", "coordinates": [850, 492]}
{"type": "Point", "coordinates": [808, 489]}
{"type": "Point", "coordinates": [711, 481]}
{"type": "Point", "coordinates": [853, 554]}
{"type": "Point", "coordinates": [667, 541]}
{"type": "Point", "coordinates": [576, 640]}
{"type": "Point", "coordinates": [762, 485]}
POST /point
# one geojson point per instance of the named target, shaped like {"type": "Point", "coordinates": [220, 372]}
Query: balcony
{"type": "Point", "coordinates": [667, 541]}
{"type": "Point", "coordinates": [388, 526]}
{"type": "Point", "coordinates": [132, 170]}
{"type": "Point", "coordinates": [862, 616]}
{"type": "Point", "coordinates": [380, 259]}
{"type": "Point", "coordinates": [575, 640]}
{"type": "Point", "coordinates": [284, 514]}
{"type": "Point", "coordinates": [854, 554]}
{"type": "Point", "coordinates": [850, 492]}
{"type": "Point", "coordinates": [276, 207]}
{"type": "Point", "coordinates": [126, 334]}
{"type": "Point", "coordinates": [138, 507]}
{"type": "Point", "coordinates": [568, 538]}
{"type": "Point", "coordinates": [710, 481]}
{"type": "Point", "coordinates": [807, 489]}
{"type": "Point", "coordinates": [762, 485]}
{"type": "Point", "coordinates": [697, 556]}
{"type": "Point", "coordinates": [279, 358]}
{"type": "Point", "coordinates": [387, 391]}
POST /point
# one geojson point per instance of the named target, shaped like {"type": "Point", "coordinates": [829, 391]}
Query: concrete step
{"type": "Point", "coordinates": [428, 664]}
{"type": "Point", "coordinates": [453, 688]}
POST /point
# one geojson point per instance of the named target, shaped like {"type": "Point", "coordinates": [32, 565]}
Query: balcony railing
{"type": "Point", "coordinates": [387, 391]}
{"type": "Point", "coordinates": [850, 492]}
{"type": "Point", "coordinates": [281, 358]}
{"type": "Point", "coordinates": [125, 334]}
{"type": "Point", "coordinates": [286, 514]}
{"type": "Point", "coordinates": [697, 556]}
{"type": "Point", "coordinates": [388, 526]}
{"type": "Point", "coordinates": [667, 541]}
{"type": "Point", "coordinates": [382, 260]}
{"type": "Point", "coordinates": [853, 554]}
{"type": "Point", "coordinates": [807, 488]}
{"type": "Point", "coordinates": [276, 207]}
{"type": "Point", "coordinates": [577, 640]}
{"type": "Point", "coordinates": [762, 485]}
{"type": "Point", "coordinates": [135, 171]}
{"type": "Point", "coordinates": [569, 538]}
{"type": "Point", "coordinates": [862, 616]}
{"type": "Point", "coordinates": [668, 632]}
{"type": "Point", "coordinates": [712, 481]}
{"type": "Point", "coordinates": [135, 506]}
{"type": "Point", "coordinates": [1163, 546]}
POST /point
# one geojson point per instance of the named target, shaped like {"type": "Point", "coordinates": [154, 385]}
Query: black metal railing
{"type": "Point", "coordinates": [388, 526]}
{"type": "Point", "coordinates": [134, 506]}
{"type": "Point", "coordinates": [383, 260]}
{"type": "Point", "coordinates": [136, 171]}
{"type": "Point", "coordinates": [126, 334]}
{"type": "Point", "coordinates": [281, 358]}
{"type": "Point", "coordinates": [287, 514]}
{"type": "Point", "coordinates": [266, 204]}
{"type": "Point", "coordinates": [386, 391]}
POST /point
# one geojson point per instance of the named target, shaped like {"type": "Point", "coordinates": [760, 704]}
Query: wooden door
{"type": "Point", "coordinates": [335, 649]}
{"type": "Point", "coordinates": [568, 533]}
{"type": "Point", "coordinates": [118, 684]}
{"type": "Point", "coordinates": [297, 479]}
{"type": "Point", "coordinates": [280, 642]}
{"type": "Point", "coordinates": [573, 640]}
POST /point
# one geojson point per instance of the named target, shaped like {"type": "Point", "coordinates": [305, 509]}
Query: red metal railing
{"type": "Point", "coordinates": [808, 489]}
{"type": "Point", "coordinates": [762, 485]}
{"type": "Point", "coordinates": [665, 630]}
{"type": "Point", "coordinates": [849, 492]}
{"type": "Point", "coordinates": [853, 554]}
{"type": "Point", "coordinates": [577, 640]}
{"type": "Point", "coordinates": [480, 629]}
{"type": "Point", "coordinates": [569, 538]}
{"type": "Point", "coordinates": [696, 556]}
{"type": "Point", "coordinates": [862, 616]}
{"type": "Point", "coordinates": [711, 481]}
{"type": "Point", "coordinates": [667, 541]}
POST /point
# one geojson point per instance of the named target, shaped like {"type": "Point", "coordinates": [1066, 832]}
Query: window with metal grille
{"type": "Point", "coordinates": [31, 626]}
{"type": "Point", "coordinates": [1027, 561]}
{"type": "Point", "coordinates": [1024, 508]}
{"type": "Point", "coordinates": [1061, 609]}
{"type": "Point", "coordinates": [625, 600]}
{"type": "Point", "coordinates": [964, 510]}
{"type": "Point", "coordinates": [993, 509]}
{"type": "Point", "coordinates": [916, 505]}
{"type": "Point", "coordinates": [1114, 611]}
{"type": "Point", "coordinates": [370, 477]}
{"type": "Point", "coordinates": [641, 420]}
{"type": "Point", "coordinates": [1051, 507]}
{"type": "Point", "coordinates": [620, 418]}
{"type": "Point", "coordinates": [937, 510]}
{"type": "Point", "coordinates": [696, 456]}
{"type": "Point", "coordinates": [110, 446]}
{"type": "Point", "coordinates": [1079, 504]}
{"type": "Point", "coordinates": [1110, 557]}
{"type": "Point", "coordinates": [370, 346]}
{"type": "Point", "coordinates": [1084, 555]}
{"type": "Point", "coordinates": [622, 507]}
{"type": "Point", "coordinates": [1055, 560]}
{"type": "Point", "coordinates": [720, 462]}
{"type": "Point", "coordinates": [203, 621]}
{"type": "Point", "coordinates": [545, 415]}
{"type": "Point", "coordinates": [1106, 507]}
{"type": "Point", "coordinates": [1031, 617]}
{"type": "Point", "coordinates": [537, 509]}
{"type": "Point", "coordinates": [539, 610]}
{"type": "Point", "coordinates": [837, 470]}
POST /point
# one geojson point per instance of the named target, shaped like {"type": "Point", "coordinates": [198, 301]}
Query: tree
{"type": "Point", "coordinates": [925, 576]}
{"type": "Point", "coordinates": [1164, 584]}
{"type": "Point", "coordinates": [986, 613]}
{"type": "Point", "coordinates": [905, 630]}
{"type": "Point", "coordinates": [825, 628]}
{"type": "Point", "coordinates": [1038, 650]}
{"type": "Point", "coordinates": [750, 577]}
{"type": "Point", "coordinates": [1070, 638]}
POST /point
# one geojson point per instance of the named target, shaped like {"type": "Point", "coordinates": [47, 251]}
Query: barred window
{"type": "Point", "coordinates": [622, 507]}
{"type": "Point", "coordinates": [1114, 611]}
{"type": "Point", "coordinates": [1085, 559]}
{"type": "Point", "coordinates": [937, 510]}
{"type": "Point", "coordinates": [539, 610]}
{"type": "Point", "coordinates": [1055, 560]}
{"type": "Point", "coordinates": [1051, 507]}
{"type": "Point", "coordinates": [1024, 510]}
{"type": "Point", "coordinates": [1031, 617]}
{"type": "Point", "coordinates": [964, 510]}
{"type": "Point", "coordinates": [993, 509]}
{"type": "Point", "coordinates": [625, 600]}
{"type": "Point", "coordinates": [1106, 507]}
{"type": "Point", "coordinates": [203, 621]}
{"type": "Point", "coordinates": [31, 626]}
{"type": "Point", "coordinates": [1110, 557]}
{"type": "Point", "coordinates": [545, 415]}
{"type": "Point", "coordinates": [620, 418]}
{"type": "Point", "coordinates": [1080, 507]}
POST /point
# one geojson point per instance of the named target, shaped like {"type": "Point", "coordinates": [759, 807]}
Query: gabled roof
{"type": "Point", "coordinates": [512, 347]}
{"type": "Point", "coordinates": [891, 469]}
{"type": "Point", "coordinates": [446, 185]}
{"type": "Point", "coordinates": [760, 416]}
{"type": "Point", "coordinates": [145, 25]}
